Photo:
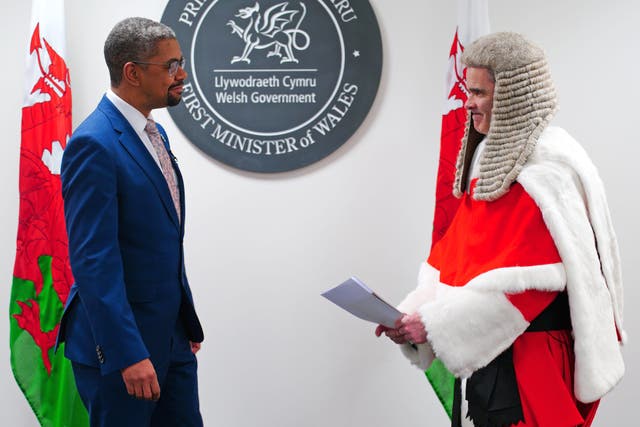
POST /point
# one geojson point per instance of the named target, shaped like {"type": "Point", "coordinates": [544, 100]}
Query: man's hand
{"type": "Point", "coordinates": [408, 329]}
{"type": "Point", "coordinates": [141, 380]}
{"type": "Point", "coordinates": [195, 346]}
{"type": "Point", "coordinates": [394, 334]}
{"type": "Point", "coordinates": [412, 329]}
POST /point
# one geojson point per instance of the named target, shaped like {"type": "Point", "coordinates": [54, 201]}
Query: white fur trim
{"type": "Point", "coordinates": [420, 355]}
{"type": "Point", "coordinates": [424, 292]}
{"type": "Point", "coordinates": [468, 328]}
{"type": "Point", "coordinates": [567, 188]}
{"type": "Point", "coordinates": [546, 277]}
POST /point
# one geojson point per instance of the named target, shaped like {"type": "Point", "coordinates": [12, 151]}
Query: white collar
{"type": "Point", "coordinates": [136, 119]}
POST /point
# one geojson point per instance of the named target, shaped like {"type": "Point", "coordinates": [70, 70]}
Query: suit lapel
{"type": "Point", "coordinates": [139, 153]}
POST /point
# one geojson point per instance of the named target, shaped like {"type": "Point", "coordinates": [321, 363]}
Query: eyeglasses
{"type": "Point", "coordinates": [172, 66]}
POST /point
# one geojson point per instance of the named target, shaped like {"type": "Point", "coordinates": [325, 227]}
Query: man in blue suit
{"type": "Point", "coordinates": [130, 326]}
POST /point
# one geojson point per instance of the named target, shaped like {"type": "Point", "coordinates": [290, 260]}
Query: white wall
{"type": "Point", "coordinates": [261, 248]}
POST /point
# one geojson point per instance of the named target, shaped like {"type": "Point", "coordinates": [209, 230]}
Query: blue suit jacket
{"type": "Point", "coordinates": [125, 248]}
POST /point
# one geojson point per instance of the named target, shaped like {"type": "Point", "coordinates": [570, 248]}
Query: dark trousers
{"type": "Point", "coordinates": [109, 404]}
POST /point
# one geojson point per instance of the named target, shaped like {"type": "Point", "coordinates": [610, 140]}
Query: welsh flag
{"type": "Point", "coordinates": [473, 22]}
{"type": "Point", "coordinates": [42, 275]}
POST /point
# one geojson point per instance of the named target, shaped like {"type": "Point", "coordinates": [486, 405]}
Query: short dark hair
{"type": "Point", "coordinates": [132, 39]}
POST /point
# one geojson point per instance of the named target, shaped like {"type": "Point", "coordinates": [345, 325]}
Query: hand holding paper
{"type": "Point", "coordinates": [412, 329]}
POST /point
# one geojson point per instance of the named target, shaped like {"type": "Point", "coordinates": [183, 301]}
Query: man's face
{"type": "Point", "coordinates": [480, 101]}
{"type": "Point", "coordinates": [159, 88]}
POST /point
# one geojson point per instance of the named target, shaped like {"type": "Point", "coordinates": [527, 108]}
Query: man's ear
{"type": "Point", "coordinates": [131, 74]}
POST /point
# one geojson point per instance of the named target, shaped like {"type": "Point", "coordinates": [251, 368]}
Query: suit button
{"type": "Point", "coordinates": [100, 354]}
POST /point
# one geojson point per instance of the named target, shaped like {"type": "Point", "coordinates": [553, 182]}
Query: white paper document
{"type": "Point", "coordinates": [356, 297]}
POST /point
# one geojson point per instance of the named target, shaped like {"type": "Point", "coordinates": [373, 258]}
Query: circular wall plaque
{"type": "Point", "coordinates": [275, 85]}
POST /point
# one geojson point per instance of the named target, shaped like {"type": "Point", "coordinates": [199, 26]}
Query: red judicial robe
{"type": "Point", "coordinates": [502, 262]}
{"type": "Point", "coordinates": [510, 233]}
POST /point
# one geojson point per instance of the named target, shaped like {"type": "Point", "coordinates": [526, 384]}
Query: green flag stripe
{"type": "Point", "coordinates": [442, 382]}
{"type": "Point", "coordinates": [53, 398]}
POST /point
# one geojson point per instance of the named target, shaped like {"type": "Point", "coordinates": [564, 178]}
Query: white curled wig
{"type": "Point", "coordinates": [524, 102]}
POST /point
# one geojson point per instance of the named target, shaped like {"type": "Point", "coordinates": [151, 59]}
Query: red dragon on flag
{"type": "Point", "coordinates": [454, 118]}
{"type": "Point", "coordinates": [42, 257]}
{"type": "Point", "coordinates": [42, 274]}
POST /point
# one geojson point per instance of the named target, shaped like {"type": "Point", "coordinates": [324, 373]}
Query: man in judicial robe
{"type": "Point", "coordinates": [522, 297]}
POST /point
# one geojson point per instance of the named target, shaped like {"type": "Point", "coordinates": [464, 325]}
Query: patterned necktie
{"type": "Point", "coordinates": [165, 162]}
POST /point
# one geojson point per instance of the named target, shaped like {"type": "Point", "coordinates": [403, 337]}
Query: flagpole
{"type": "Point", "coordinates": [472, 22]}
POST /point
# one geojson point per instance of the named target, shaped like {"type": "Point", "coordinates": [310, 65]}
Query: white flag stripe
{"type": "Point", "coordinates": [473, 20]}
{"type": "Point", "coordinates": [49, 14]}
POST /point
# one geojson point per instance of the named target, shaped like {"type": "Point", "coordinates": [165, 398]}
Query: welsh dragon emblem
{"type": "Point", "coordinates": [42, 274]}
{"type": "Point", "coordinates": [273, 29]}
